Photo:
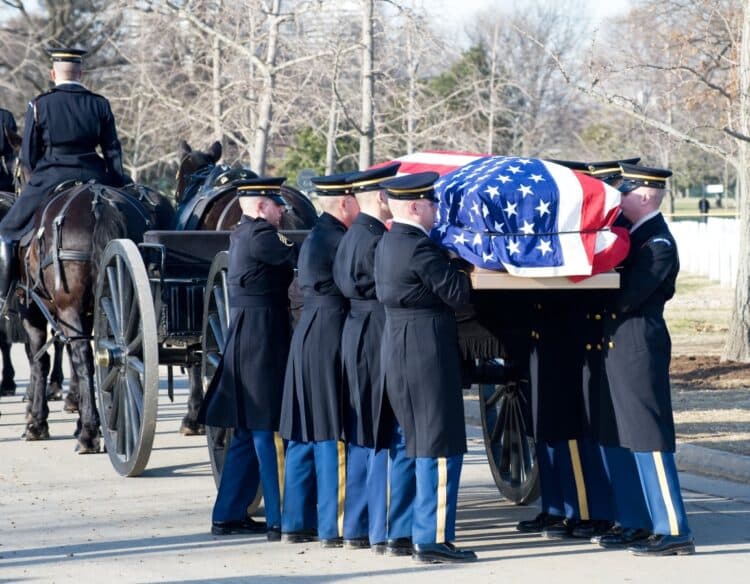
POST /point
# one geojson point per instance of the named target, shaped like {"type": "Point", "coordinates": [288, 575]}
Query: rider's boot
{"type": "Point", "coordinates": [7, 266]}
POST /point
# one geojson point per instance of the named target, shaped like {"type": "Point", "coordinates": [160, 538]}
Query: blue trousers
{"type": "Point", "coordinates": [562, 481]}
{"type": "Point", "coordinates": [254, 457]}
{"type": "Point", "coordinates": [314, 488]}
{"type": "Point", "coordinates": [598, 488]}
{"type": "Point", "coordinates": [630, 509]}
{"type": "Point", "coordinates": [365, 506]}
{"type": "Point", "coordinates": [437, 499]}
{"type": "Point", "coordinates": [402, 488]}
{"type": "Point", "coordinates": [661, 488]}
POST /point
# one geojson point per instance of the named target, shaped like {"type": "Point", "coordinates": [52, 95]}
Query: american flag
{"type": "Point", "coordinates": [526, 216]}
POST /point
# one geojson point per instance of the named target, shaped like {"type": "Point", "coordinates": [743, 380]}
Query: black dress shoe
{"type": "Point", "coordinates": [664, 545]}
{"type": "Point", "coordinates": [299, 536]}
{"type": "Point", "coordinates": [378, 548]}
{"type": "Point", "coordinates": [624, 537]}
{"type": "Point", "coordinates": [332, 542]}
{"type": "Point", "coordinates": [240, 527]}
{"type": "Point", "coordinates": [436, 553]}
{"type": "Point", "coordinates": [273, 534]}
{"type": "Point", "coordinates": [401, 546]}
{"type": "Point", "coordinates": [614, 530]}
{"type": "Point", "coordinates": [560, 530]}
{"type": "Point", "coordinates": [356, 543]}
{"type": "Point", "coordinates": [539, 522]}
{"type": "Point", "coordinates": [590, 528]}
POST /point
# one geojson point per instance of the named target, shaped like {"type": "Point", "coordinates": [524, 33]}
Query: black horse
{"type": "Point", "coordinates": [206, 194]}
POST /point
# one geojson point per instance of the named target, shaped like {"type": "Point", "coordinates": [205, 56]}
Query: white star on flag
{"type": "Point", "coordinates": [475, 207]}
{"type": "Point", "coordinates": [513, 247]}
{"type": "Point", "coordinates": [477, 239]}
{"type": "Point", "coordinates": [514, 169]}
{"type": "Point", "coordinates": [485, 211]}
{"type": "Point", "coordinates": [503, 179]}
{"type": "Point", "coordinates": [459, 238]}
{"type": "Point", "coordinates": [536, 178]}
{"type": "Point", "coordinates": [528, 228]}
{"type": "Point", "coordinates": [524, 161]}
{"type": "Point", "coordinates": [542, 207]}
{"type": "Point", "coordinates": [498, 227]}
{"type": "Point", "coordinates": [545, 247]}
{"type": "Point", "coordinates": [442, 229]}
{"type": "Point", "coordinates": [525, 190]}
{"type": "Point", "coordinates": [510, 209]}
{"type": "Point", "coordinates": [487, 257]}
{"type": "Point", "coordinates": [492, 191]}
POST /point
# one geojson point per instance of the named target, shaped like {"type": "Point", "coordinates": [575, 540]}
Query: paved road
{"type": "Point", "coordinates": [65, 517]}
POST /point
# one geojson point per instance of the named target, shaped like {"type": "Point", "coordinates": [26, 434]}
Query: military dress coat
{"type": "Point", "coordinates": [312, 404]}
{"type": "Point", "coordinates": [637, 343]}
{"type": "Point", "coordinates": [62, 130]}
{"type": "Point", "coordinates": [420, 288]}
{"type": "Point", "coordinates": [556, 367]}
{"type": "Point", "coordinates": [354, 273]}
{"type": "Point", "coordinates": [246, 390]}
{"type": "Point", "coordinates": [7, 152]}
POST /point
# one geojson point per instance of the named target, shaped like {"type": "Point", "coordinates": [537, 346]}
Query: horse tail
{"type": "Point", "coordinates": [109, 224]}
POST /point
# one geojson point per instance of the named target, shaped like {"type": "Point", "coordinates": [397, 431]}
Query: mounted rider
{"type": "Point", "coordinates": [62, 130]}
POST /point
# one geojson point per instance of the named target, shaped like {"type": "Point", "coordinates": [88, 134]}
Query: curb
{"type": "Point", "coordinates": [689, 457]}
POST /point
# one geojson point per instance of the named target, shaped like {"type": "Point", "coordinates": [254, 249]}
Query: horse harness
{"type": "Point", "coordinates": [58, 254]}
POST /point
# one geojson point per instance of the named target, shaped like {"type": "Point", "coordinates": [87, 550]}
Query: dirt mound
{"type": "Point", "coordinates": [707, 372]}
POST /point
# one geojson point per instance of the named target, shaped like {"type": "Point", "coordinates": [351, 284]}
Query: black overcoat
{"type": "Point", "coordinates": [312, 405]}
{"type": "Point", "coordinates": [354, 273]}
{"type": "Point", "coordinates": [247, 387]}
{"type": "Point", "coordinates": [556, 367]}
{"type": "Point", "coordinates": [421, 288]}
{"type": "Point", "coordinates": [637, 344]}
{"type": "Point", "coordinates": [62, 130]}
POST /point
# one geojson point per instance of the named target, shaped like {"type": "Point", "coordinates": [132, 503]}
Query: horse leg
{"type": "Point", "coordinates": [7, 385]}
{"type": "Point", "coordinates": [37, 409]}
{"type": "Point", "coordinates": [72, 397]}
{"type": "Point", "coordinates": [55, 386]}
{"type": "Point", "coordinates": [82, 361]}
{"type": "Point", "coordinates": [190, 425]}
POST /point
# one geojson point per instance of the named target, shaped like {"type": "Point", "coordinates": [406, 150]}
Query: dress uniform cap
{"type": "Point", "coordinates": [371, 179]}
{"type": "Point", "coordinates": [634, 176]}
{"type": "Point", "coordinates": [571, 164]}
{"type": "Point", "coordinates": [263, 186]}
{"type": "Point", "coordinates": [66, 54]}
{"type": "Point", "coordinates": [333, 185]}
{"type": "Point", "coordinates": [609, 170]}
{"type": "Point", "coordinates": [412, 186]}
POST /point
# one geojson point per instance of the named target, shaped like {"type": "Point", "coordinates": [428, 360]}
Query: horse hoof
{"type": "Point", "coordinates": [8, 389]}
{"type": "Point", "coordinates": [90, 448]}
{"type": "Point", "coordinates": [54, 392]}
{"type": "Point", "coordinates": [192, 429]}
{"type": "Point", "coordinates": [32, 434]}
{"type": "Point", "coordinates": [70, 406]}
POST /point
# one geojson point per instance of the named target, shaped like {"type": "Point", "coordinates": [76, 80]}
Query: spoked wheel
{"type": "Point", "coordinates": [214, 333]}
{"type": "Point", "coordinates": [504, 410]}
{"type": "Point", "coordinates": [126, 357]}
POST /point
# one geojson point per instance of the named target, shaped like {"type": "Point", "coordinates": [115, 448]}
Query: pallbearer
{"type": "Point", "coordinates": [312, 403]}
{"type": "Point", "coordinates": [245, 393]}
{"type": "Point", "coordinates": [420, 287]}
{"type": "Point", "coordinates": [354, 272]}
{"type": "Point", "coordinates": [636, 359]}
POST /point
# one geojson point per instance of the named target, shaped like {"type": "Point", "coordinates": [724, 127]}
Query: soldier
{"type": "Point", "coordinates": [636, 359]}
{"type": "Point", "coordinates": [8, 129]}
{"type": "Point", "coordinates": [62, 130]}
{"type": "Point", "coordinates": [312, 402]}
{"type": "Point", "coordinates": [354, 272]}
{"type": "Point", "coordinates": [420, 288]}
{"type": "Point", "coordinates": [245, 393]}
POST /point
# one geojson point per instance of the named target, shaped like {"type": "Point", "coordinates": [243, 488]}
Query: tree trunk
{"type": "Point", "coordinates": [737, 347]}
{"type": "Point", "coordinates": [331, 138]}
{"type": "Point", "coordinates": [265, 100]}
{"type": "Point", "coordinates": [367, 137]}
{"type": "Point", "coordinates": [216, 109]}
{"type": "Point", "coordinates": [490, 145]}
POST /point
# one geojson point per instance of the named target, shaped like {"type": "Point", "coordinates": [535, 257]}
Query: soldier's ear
{"type": "Point", "coordinates": [184, 148]}
{"type": "Point", "coordinates": [214, 151]}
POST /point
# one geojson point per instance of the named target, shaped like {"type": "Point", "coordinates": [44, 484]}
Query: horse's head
{"type": "Point", "coordinates": [192, 161]}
